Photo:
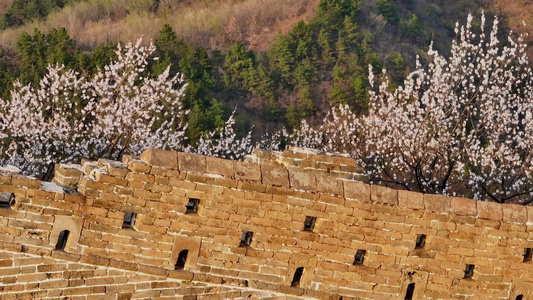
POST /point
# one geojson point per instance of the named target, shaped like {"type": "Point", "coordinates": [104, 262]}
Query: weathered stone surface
{"type": "Point", "coordinates": [190, 162]}
{"type": "Point", "coordinates": [70, 223]}
{"type": "Point", "coordinates": [489, 210]}
{"type": "Point", "coordinates": [160, 158]}
{"type": "Point", "coordinates": [245, 230]}
{"type": "Point", "coordinates": [247, 171]}
{"type": "Point", "coordinates": [114, 168]}
{"type": "Point", "coordinates": [437, 203]}
{"type": "Point", "coordinates": [274, 175]}
{"type": "Point", "coordinates": [220, 166]}
{"type": "Point", "coordinates": [329, 185]}
{"type": "Point", "coordinates": [514, 213]}
{"type": "Point", "coordinates": [383, 195]}
{"type": "Point", "coordinates": [302, 180]}
{"type": "Point", "coordinates": [463, 206]}
{"type": "Point", "coordinates": [20, 180]}
{"type": "Point", "coordinates": [410, 200]}
{"type": "Point", "coordinates": [68, 170]}
{"type": "Point", "coordinates": [356, 190]}
{"type": "Point", "coordinates": [136, 164]}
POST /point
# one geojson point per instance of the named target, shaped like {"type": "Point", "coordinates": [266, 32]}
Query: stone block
{"type": "Point", "coordinates": [247, 171]}
{"type": "Point", "coordinates": [220, 166]}
{"type": "Point", "coordinates": [302, 180]}
{"type": "Point", "coordinates": [66, 181]}
{"type": "Point", "coordinates": [68, 170]}
{"type": "Point", "coordinates": [529, 210]}
{"type": "Point", "coordinates": [298, 260]}
{"type": "Point", "coordinates": [383, 195]}
{"type": "Point", "coordinates": [356, 190]}
{"type": "Point", "coordinates": [513, 213]}
{"type": "Point", "coordinates": [348, 161]}
{"type": "Point", "coordinates": [25, 181]}
{"type": "Point", "coordinates": [103, 176]}
{"type": "Point", "coordinates": [70, 223]}
{"type": "Point", "coordinates": [163, 174]}
{"type": "Point", "coordinates": [114, 168]}
{"type": "Point", "coordinates": [410, 200]}
{"type": "Point", "coordinates": [5, 178]}
{"type": "Point", "coordinates": [489, 210]}
{"type": "Point", "coordinates": [190, 162]}
{"type": "Point", "coordinates": [268, 155]}
{"type": "Point", "coordinates": [182, 243]}
{"type": "Point", "coordinates": [88, 166]}
{"type": "Point", "coordinates": [276, 176]}
{"type": "Point", "coordinates": [160, 158]}
{"type": "Point", "coordinates": [294, 152]}
{"type": "Point", "coordinates": [135, 164]}
{"type": "Point", "coordinates": [463, 206]}
{"type": "Point", "coordinates": [329, 185]}
{"type": "Point", "coordinates": [437, 203]}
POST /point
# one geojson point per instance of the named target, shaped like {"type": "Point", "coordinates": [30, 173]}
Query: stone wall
{"type": "Point", "coordinates": [279, 225]}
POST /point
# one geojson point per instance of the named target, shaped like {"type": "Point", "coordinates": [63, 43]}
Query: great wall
{"type": "Point", "coordinates": [280, 225]}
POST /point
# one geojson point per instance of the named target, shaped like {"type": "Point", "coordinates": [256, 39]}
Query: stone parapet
{"type": "Point", "coordinates": [262, 226]}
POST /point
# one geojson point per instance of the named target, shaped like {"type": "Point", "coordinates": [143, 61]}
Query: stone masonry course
{"type": "Point", "coordinates": [296, 224]}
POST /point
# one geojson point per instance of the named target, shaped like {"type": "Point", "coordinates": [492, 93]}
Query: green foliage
{"type": "Point", "coordinates": [36, 51]}
{"type": "Point", "coordinates": [22, 11]}
{"type": "Point", "coordinates": [202, 81]}
{"type": "Point", "coordinates": [389, 11]}
{"type": "Point", "coordinates": [337, 95]}
{"type": "Point", "coordinates": [325, 46]}
{"type": "Point", "coordinates": [303, 108]}
{"type": "Point", "coordinates": [396, 66]}
{"type": "Point", "coordinates": [262, 84]}
{"type": "Point", "coordinates": [360, 89]}
{"type": "Point", "coordinates": [413, 25]}
{"type": "Point", "coordinates": [239, 65]}
{"type": "Point", "coordinates": [331, 13]}
{"type": "Point", "coordinates": [281, 59]}
{"type": "Point", "coordinates": [330, 48]}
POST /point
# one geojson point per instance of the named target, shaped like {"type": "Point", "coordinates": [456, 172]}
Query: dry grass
{"type": "Point", "coordinates": [519, 16]}
{"type": "Point", "coordinates": [208, 23]}
{"type": "Point", "coordinates": [4, 5]}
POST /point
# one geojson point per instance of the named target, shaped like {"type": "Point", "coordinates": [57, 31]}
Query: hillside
{"type": "Point", "coordinates": [518, 15]}
{"type": "Point", "coordinates": [275, 61]}
{"type": "Point", "coordinates": [212, 24]}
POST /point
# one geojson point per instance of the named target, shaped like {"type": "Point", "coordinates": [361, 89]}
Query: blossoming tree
{"type": "Point", "coordinates": [119, 110]}
{"type": "Point", "coordinates": [461, 125]}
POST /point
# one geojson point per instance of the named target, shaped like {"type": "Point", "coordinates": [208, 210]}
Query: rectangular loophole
{"type": "Point", "coordinates": [469, 271]}
{"type": "Point", "coordinates": [182, 259]}
{"type": "Point", "coordinates": [409, 293]}
{"type": "Point", "coordinates": [309, 223]}
{"type": "Point", "coordinates": [129, 219]}
{"type": "Point", "coordinates": [6, 199]}
{"type": "Point", "coordinates": [192, 206]}
{"type": "Point", "coordinates": [62, 240]}
{"type": "Point", "coordinates": [420, 241]}
{"type": "Point", "coordinates": [527, 254]}
{"type": "Point", "coordinates": [359, 257]}
{"type": "Point", "coordinates": [297, 278]}
{"type": "Point", "coordinates": [246, 239]}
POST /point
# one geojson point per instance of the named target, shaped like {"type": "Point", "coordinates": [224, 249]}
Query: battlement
{"type": "Point", "coordinates": [292, 224]}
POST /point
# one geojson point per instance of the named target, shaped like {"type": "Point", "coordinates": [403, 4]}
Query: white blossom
{"type": "Point", "coordinates": [69, 117]}
{"type": "Point", "coordinates": [462, 125]}
{"type": "Point", "coordinates": [224, 143]}
{"type": "Point", "coordinates": [118, 110]}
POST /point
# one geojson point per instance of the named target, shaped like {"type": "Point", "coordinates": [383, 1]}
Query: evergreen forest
{"type": "Point", "coordinates": [320, 61]}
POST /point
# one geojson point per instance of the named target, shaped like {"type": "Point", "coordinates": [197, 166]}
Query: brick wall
{"type": "Point", "coordinates": [292, 224]}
